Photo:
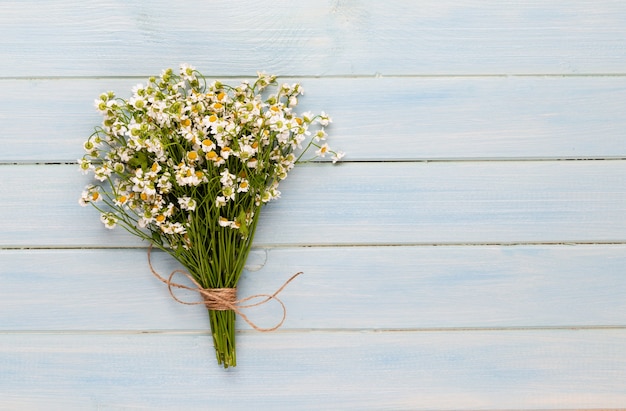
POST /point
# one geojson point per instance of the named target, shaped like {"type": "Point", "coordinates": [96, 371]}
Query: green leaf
{"type": "Point", "coordinates": [140, 159]}
{"type": "Point", "coordinates": [243, 226]}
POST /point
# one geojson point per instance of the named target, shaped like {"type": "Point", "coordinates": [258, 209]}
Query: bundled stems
{"type": "Point", "coordinates": [223, 331]}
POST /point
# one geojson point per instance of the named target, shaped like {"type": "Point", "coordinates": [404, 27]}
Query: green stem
{"type": "Point", "coordinates": [223, 330]}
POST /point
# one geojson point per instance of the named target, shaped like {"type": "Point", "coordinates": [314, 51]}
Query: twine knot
{"type": "Point", "coordinates": [219, 299]}
{"type": "Point", "coordinates": [222, 299]}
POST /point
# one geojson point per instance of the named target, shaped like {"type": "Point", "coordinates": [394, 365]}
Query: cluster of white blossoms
{"type": "Point", "coordinates": [180, 146]}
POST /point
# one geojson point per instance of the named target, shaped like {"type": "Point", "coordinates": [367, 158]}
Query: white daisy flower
{"type": "Point", "coordinates": [321, 152]}
{"type": "Point", "coordinates": [109, 220]}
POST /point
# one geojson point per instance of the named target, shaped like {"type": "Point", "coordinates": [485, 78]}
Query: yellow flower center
{"type": "Point", "coordinates": [192, 155]}
{"type": "Point", "coordinates": [186, 122]}
{"type": "Point", "coordinates": [221, 96]}
{"type": "Point", "coordinates": [213, 118]}
{"type": "Point", "coordinates": [211, 155]}
{"type": "Point", "coordinates": [160, 218]}
{"type": "Point", "coordinates": [218, 106]}
{"type": "Point", "coordinates": [95, 195]}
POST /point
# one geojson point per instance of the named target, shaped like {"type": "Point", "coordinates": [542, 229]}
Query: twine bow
{"type": "Point", "coordinates": [222, 299]}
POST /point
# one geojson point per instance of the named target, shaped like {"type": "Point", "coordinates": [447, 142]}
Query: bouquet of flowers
{"type": "Point", "coordinates": [188, 165]}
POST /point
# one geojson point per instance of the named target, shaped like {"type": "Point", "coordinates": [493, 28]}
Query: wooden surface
{"type": "Point", "coordinates": [470, 252]}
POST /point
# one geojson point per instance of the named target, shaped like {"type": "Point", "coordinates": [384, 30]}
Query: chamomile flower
{"type": "Point", "coordinates": [109, 220]}
{"type": "Point", "coordinates": [192, 156]}
{"type": "Point", "coordinates": [103, 172]}
{"type": "Point", "coordinates": [187, 72]}
{"type": "Point", "coordinates": [138, 89]}
{"type": "Point", "coordinates": [226, 178]}
{"type": "Point", "coordinates": [187, 203]}
{"type": "Point", "coordinates": [321, 152]}
{"type": "Point", "coordinates": [220, 201]}
{"type": "Point", "coordinates": [164, 183]}
{"type": "Point", "coordinates": [208, 145]}
{"type": "Point", "coordinates": [320, 135]}
{"type": "Point", "coordinates": [338, 156]}
{"type": "Point", "coordinates": [121, 199]}
{"type": "Point", "coordinates": [85, 165]}
{"type": "Point", "coordinates": [228, 193]}
{"type": "Point", "coordinates": [307, 117]}
{"type": "Point", "coordinates": [226, 152]}
{"type": "Point", "coordinates": [89, 195]}
{"type": "Point", "coordinates": [247, 151]}
{"type": "Point", "coordinates": [266, 196]}
{"type": "Point", "coordinates": [252, 163]}
{"type": "Point", "coordinates": [137, 102]}
{"type": "Point", "coordinates": [324, 119]}
{"type": "Point", "coordinates": [243, 186]}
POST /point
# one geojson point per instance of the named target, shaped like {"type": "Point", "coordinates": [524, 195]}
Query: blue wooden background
{"type": "Point", "coordinates": [469, 253]}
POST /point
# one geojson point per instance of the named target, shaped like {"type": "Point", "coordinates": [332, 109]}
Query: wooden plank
{"type": "Point", "coordinates": [363, 203]}
{"type": "Point", "coordinates": [507, 370]}
{"type": "Point", "coordinates": [435, 286]}
{"type": "Point", "coordinates": [415, 118]}
{"type": "Point", "coordinates": [313, 37]}
{"type": "Point", "coordinates": [342, 288]}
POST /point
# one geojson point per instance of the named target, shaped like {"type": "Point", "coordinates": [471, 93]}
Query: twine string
{"type": "Point", "coordinates": [222, 299]}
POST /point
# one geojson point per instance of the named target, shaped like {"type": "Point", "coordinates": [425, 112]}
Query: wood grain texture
{"type": "Point", "coordinates": [557, 369]}
{"type": "Point", "coordinates": [363, 203]}
{"type": "Point", "coordinates": [469, 255]}
{"type": "Point", "coordinates": [100, 38]}
{"type": "Point", "coordinates": [343, 288]}
{"type": "Point", "coordinates": [374, 119]}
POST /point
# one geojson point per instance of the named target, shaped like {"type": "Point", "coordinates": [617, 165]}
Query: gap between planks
{"type": "Point", "coordinates": [324, 330]}
{"type": "Point", "coordinates": [268, 247]}
{"type": "Point", "coordinates": [372, 161]}
{"type": "Point", "coordinates": [335, 76]}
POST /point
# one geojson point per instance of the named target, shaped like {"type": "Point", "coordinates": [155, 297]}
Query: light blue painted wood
{"type": "Point", "coordinates": [347, 288]}
{"type": "Point", "coordinates": [558, 369]}
{"type": "Point", "coordinates": [107, 38]}
{"type": "Point", "coordinates": [374, 119]}
{"type": "Point", "coordinates": [420, 326]}
{"type": "Point", "coordinates": [363, 203]}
